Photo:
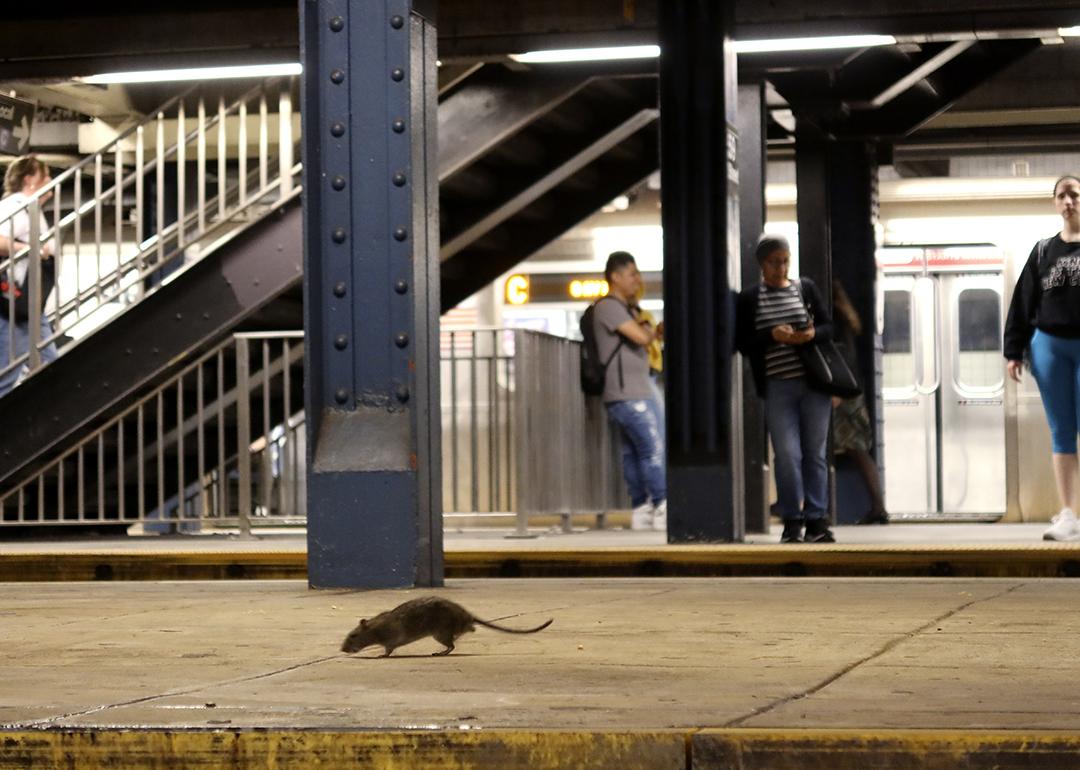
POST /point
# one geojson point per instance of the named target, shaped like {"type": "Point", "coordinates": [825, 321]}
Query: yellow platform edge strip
{"type": "Point", "coordinates": [700, 749]}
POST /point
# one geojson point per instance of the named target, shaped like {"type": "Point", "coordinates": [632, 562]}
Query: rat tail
{"type": "Point", "coordinates": [488, 624]}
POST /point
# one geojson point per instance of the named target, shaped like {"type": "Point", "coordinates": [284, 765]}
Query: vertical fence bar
{"type": "Point", "coordinates": [287, 491]}
{"type": "Point", "coordinates": [118, 207]}
{"type": "Point", "coordinates": [200, 434]}
{"type": "Point", "coordinates": [160, 431]}
{"type": "Point", "coordinates": [241, 149]}
{"type": "Point", "coordinates": [11, 298]}
{"type": "Point", "coordinates": [60, 489]}
{"type": "Point", "coordinates": [453, 424]}
{"type": "Point", "coordinates": [264, 143]}
{"type": "Point", "coordinates": [80, 481]}
{"type": "Point", "coordinates": [159, 198]}
{"type": "Point", "coordinates": [223, 179]}
{"type": "Point", "coordinates": [121, 511]}
{"type": "Point", "coordinates": [474, 439]}
{"type": "Point", "coordinates": [223, 486]}
{"type": "Point", "coordinates": [140, 463]}
{"type": "Point", "coordinates": [509, 394]}
{"type": "Point", "coordinates": [181, 175]}
{"type": "Point", "coordinates": [200, 178]}
{"type": "Point", "coordinates": [33, 210]}
{"type": "Point", "coordinates": [243, 433]}
{"type": "Point", "coordinates": [267, 471]}
{"type": "Point", "coordinates": [98, 206]}
{"type": "Point", "coordinates": [493, 424]}
{"type": "Point", "coordinates": [140, 184]}
{"type": "Point", "coordinates": [22, 504]}
{"type": "Point", "coordinates": [285, 140]}
{"type": "Point", "coordinates": [180, 486]}
{"type": "Point", "coordinates": [77, 196]}
{"type": "Point", "coordinates": [101, 476]}
{"type": "Point", "coordinates": [57, 245]}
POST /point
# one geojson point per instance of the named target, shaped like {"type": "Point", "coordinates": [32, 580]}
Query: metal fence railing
{"type": "Point", "coordinates": [153, 199]}
{"type": "Point", "coordinates": [222, 443]}
{"type": "Point", "coordinates": [519, 436]}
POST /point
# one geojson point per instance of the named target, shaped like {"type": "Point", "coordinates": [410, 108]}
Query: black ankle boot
{"type": "Point", "coordinates": [817, 531]}
{"type": "Point", "coordinates": [792, 531]}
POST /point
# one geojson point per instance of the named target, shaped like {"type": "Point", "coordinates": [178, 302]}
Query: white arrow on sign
{"type": "Point", "coordinates": [22, 133]}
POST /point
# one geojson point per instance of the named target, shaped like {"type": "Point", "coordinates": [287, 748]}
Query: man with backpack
{"type": "Point", "coordinates": [615, 365]}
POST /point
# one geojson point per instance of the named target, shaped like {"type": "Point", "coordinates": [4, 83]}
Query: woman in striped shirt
{"type": "Point", "coordinates": [773, 318]}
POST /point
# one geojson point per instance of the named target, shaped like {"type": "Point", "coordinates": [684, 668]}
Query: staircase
{"type": "Point", "coordinates": [174, 395]}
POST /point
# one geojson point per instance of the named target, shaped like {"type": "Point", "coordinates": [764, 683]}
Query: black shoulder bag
{"type": "Point", "coordinates": [826, 369]}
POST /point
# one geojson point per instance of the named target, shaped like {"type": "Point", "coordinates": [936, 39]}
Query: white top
{"type": "Point", "coordinates": [15, 224]}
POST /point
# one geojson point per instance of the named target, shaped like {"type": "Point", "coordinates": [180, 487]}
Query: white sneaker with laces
{"type": "Point", "coordinates": [659, 521]}
{"type": "Point", "coordinates": [642, 517]}
{"type": "Point", "coordinates": [1064, 526]}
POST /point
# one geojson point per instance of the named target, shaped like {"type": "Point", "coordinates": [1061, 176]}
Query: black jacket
{"type": "Point", "coordinates": [753, 343]}
{"type": "Point", "coordinates": [1047, 297]}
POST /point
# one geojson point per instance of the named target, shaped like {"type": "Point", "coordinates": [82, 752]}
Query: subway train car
{"type": "Point", "coordinates": [961, 441]}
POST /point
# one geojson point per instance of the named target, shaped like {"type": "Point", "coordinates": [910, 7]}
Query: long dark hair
{"type": "Point", "coordinates": [842, 307]}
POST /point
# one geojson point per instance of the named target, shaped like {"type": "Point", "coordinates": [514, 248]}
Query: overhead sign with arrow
{"type": "Point", "coordinates": [16, 118]}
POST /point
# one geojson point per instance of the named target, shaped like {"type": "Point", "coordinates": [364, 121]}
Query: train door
{"type": "Point", "coordinates": [943, 386]}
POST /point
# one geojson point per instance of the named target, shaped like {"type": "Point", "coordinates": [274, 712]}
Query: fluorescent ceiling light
{"type": "Point", "coordinates": [811, 43]}
{"type": "Point", "coordinates": [588, 54]}
{"type": "Point", "coordinates": [1069, 31]}
{"type": "Point", "coordinates": [741, 46]}
{"type": "Point", "coordinates": [197, 73]}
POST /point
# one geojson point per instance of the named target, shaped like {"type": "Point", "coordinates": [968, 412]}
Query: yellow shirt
{"type": "Point", "coordinates": [654, 348]}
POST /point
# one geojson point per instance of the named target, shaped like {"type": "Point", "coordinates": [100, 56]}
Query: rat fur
{"type": "Point", "coordinates": [432, 616]}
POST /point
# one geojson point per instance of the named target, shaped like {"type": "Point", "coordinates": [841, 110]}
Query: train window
{"type": "Point", "coordinates": [898, 360]}
{"type": "Point", "coordinates": [979, 338]}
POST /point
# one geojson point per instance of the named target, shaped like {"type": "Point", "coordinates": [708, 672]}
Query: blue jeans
{"type": "Point", "coordinates": [1055, 363]}
{"type": "Point", "coordinates": [798, 421]}
{"type": "Point", "coordinates": [20, 333]}
{"type": "Point", "coordinates": [642, 429]}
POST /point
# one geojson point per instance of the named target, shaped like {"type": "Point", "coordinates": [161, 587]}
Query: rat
{"type": "Point", "coordinates": [432, 616]}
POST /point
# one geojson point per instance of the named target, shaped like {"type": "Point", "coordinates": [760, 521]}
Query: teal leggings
{"type": "Point", "coordinates": [1055, 362]}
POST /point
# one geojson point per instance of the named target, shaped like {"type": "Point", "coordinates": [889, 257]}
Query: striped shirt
{"type": "Point", "coordinates": [776, 307]}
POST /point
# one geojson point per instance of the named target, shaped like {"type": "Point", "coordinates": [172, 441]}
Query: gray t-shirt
{"type": "Point", "coordinates": [610, 313]}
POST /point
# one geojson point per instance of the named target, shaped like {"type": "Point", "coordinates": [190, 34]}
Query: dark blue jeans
{"type": "Point", "coordinates": [14, 342]}
{"type": "Point", "coordinates": [641, 426]}
{"type": "Point", "coordinates": [798, 421]}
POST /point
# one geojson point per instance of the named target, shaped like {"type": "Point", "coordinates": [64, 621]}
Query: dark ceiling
{"type": "Point", "coordinates": [991, 67]}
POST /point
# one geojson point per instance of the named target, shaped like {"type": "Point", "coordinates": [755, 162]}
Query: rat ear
{"type": "Point", "coordinates": [363, 621]}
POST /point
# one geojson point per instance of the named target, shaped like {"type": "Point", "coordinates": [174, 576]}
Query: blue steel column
{"type": "Point", "coordinates": [371, 293]}
{"type": "Point", "coordinates": [699, 157]}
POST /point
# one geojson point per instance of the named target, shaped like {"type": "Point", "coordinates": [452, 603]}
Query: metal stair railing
{"type": "Point", "coordinates": [220, 444]}
{"type": "Point", "coordinates": [112, 249]}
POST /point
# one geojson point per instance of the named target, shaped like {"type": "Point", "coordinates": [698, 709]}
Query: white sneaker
{"type": "Point", "coordinates": [1063, 526]}
{"type": "Point", "coordinates": [659, 521]}
{"type": "Point", "coordinates": [642, 517]}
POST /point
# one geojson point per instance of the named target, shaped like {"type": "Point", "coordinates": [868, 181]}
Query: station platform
{"type": "Point", "coordinates": [747, 673]}
{"type": "Point", "coordinates": [897, 550]}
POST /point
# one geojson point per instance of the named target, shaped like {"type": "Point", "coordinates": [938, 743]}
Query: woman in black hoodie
{"type": "Point", "coordinates": [1044, 318]}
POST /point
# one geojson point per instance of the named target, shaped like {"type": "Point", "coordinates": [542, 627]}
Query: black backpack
{"type": "Point", "coordinates": [593, 370]}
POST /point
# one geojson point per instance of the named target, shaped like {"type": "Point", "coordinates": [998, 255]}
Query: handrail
{"type": "Point", "coordinates": [151, 233]}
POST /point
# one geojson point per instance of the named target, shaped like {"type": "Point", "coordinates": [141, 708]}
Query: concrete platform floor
{"type": "Point", "coordinates": [657, 665]}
